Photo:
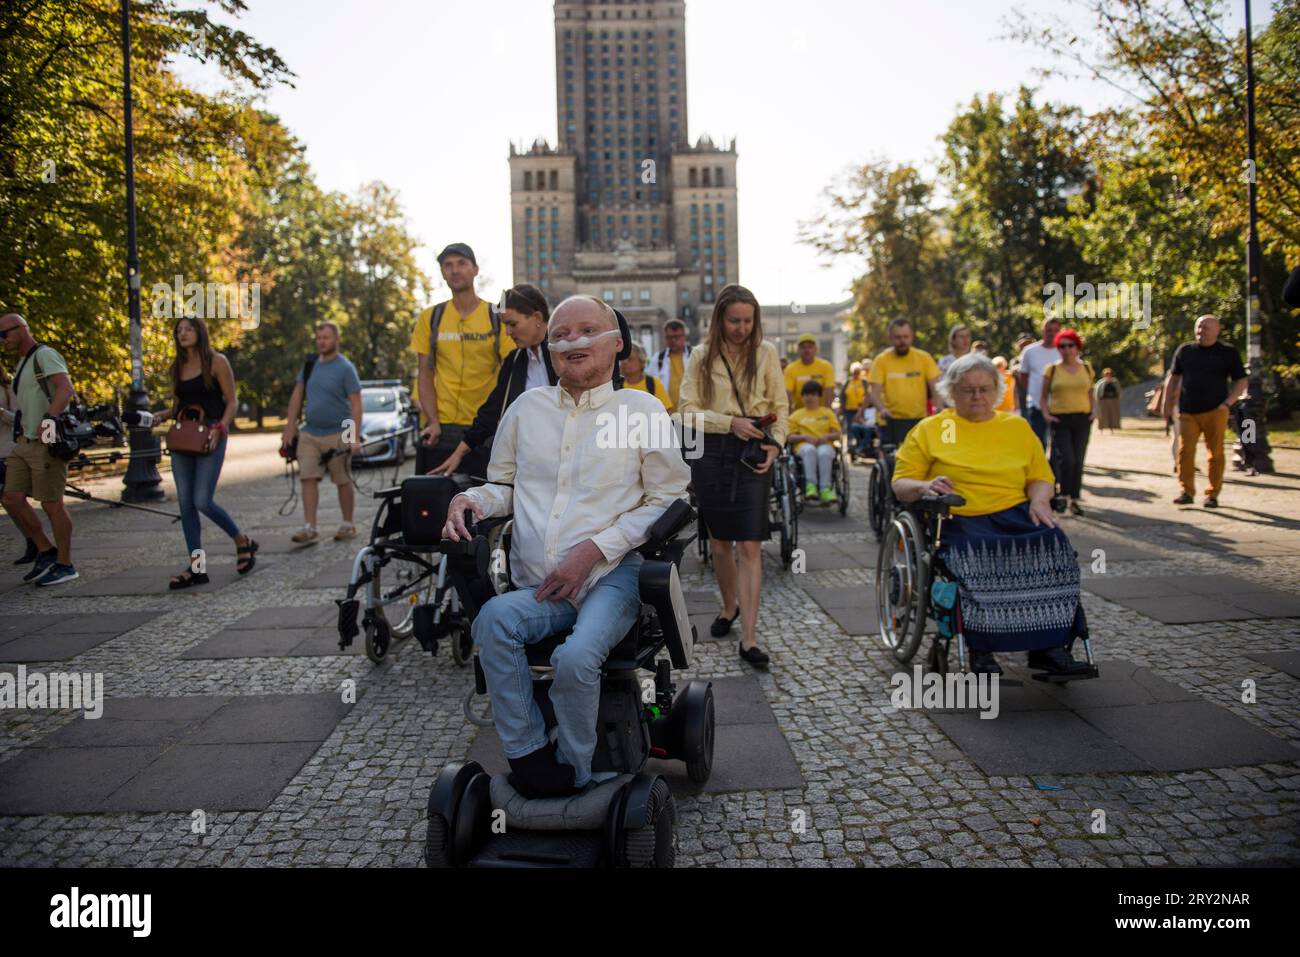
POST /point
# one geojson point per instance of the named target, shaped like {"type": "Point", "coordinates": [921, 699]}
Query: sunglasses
{"type": "Point", "coordinates": [5, 332]}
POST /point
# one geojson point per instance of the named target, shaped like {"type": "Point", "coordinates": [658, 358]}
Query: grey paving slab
{"type": "Point", "coordinates": [825, 556]}
{"type": "Point", "coordinates": [1120, 683]}
{"type": "Point", "coordinates": [1119, 588]}
{"type": "Point", "coordinates": [68, 780]}
{"type": "Point", "coordinates": [286, 616]}
{"type": "Point", "coordinates": [1114, 551]}
{"type": "Point", "coordinates": [1035, 742]}
{"type": "Point", "coordinates": [332, 577]}
{"type": "Point", "coordinates": [272, 718]}
{"type": "Point", "coordinates": [16, 626]}
{"type": "Point", "coordinates": [245, 643]}
{"type": "Point", "coordinates": [1184, 735]}
{"type": "Point", "coordinates": [1185, 609]}
{"type": "Point", "coordinates": [855, 598]}
{"type": "Point", "coordinates": [1284, 661]}
{"type": "Point", "coordinates": [1266, 605]}
{"type": "Point", "coordinates": [60, 637]}
{"type": "Point", "coordinates": [213, 777]}
{"type": "Point", "coordinates": [152, 580]}
{"type": "Point", "coordinates": [739, 700]}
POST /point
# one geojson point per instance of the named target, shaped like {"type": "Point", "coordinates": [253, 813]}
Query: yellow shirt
{"type": "Point", "coordinates": [765, 395]}
{"type": "Point", "coordinates": [855, 393]}
{"type": "Point", "coordinates": [467, 360]}
{"type": "Point", "coordinates": [815, 422]}
{"type": "Point", "coordinates": [904, 379]}
{"type": "Point", "coordinates": [989, 463]}
{"type": "Point", "coordinates": [1069, 391]}
{"type": "Point", "coordinates": [1008, 403]}
{"type": "Point", "coordinates": [798, 372]}
{"type": "Point", "coordinates": [676, 369]}
{"type": "Point", "coordinates": [659, 393]}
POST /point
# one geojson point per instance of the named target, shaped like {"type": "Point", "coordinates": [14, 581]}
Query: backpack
{"type": "Point", "coordinates": [1047, 373]}
{"type": "Point", "coordinates": [650, 385]}
{"type": "Point", "coordinates": [494, 318]}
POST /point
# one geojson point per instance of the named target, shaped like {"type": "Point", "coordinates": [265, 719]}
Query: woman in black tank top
{"type": "Point", "coordinates": [203, 378]}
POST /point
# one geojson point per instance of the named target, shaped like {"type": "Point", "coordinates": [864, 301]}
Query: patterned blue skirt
{"type": "Point", "coordinates": [1019, 582]}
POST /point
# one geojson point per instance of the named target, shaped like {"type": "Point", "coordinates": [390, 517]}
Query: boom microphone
{"type": "Point", "coordinates": [140, 420]}
{"type": "Point", "coordinates": [1291, 291]}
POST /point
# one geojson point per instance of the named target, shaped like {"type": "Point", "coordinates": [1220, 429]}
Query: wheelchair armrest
{"type": "Point", "coordinates": [675, 518]}
{"type": "Point", "coordinates": [389, 492]}
{"type": "Point", "coordinates": [938, 504]}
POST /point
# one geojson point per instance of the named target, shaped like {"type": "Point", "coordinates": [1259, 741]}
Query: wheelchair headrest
{"type": "Point", "coordinates": [625, 331]}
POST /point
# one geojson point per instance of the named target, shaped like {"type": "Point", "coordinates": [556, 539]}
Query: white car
{"type": "Point", "coordinates": [386, 410]}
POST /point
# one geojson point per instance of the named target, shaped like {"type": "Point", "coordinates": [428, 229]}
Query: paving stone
{"type": "Point", "coordinates": [153, 580]}
{"type": "Point", "coordinates": [68, 780]}
{"type": "Point", "coordinates": [1284, 661]}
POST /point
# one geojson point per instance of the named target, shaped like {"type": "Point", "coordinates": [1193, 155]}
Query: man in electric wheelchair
{"type": "Point", "coordinates": [582, 505]}
{"type": "Point", "coordinates": [976, 482]}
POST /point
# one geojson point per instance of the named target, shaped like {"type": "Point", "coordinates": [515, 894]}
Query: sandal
{"type": "Point", "coordinates": [245, 554]}
{"type": "Point", "coordinates": [187, 579]}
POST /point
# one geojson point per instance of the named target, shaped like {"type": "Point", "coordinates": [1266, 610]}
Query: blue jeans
{"type": "Point", "coordinates": [509, 622]}
{"type": "Point", "coordinates": [196, 482]}
{"type": "Point", "coordinates": [1038, 423]}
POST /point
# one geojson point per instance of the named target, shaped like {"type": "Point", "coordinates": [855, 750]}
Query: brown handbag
{"type": "Point", "coordinates": [189, 435]}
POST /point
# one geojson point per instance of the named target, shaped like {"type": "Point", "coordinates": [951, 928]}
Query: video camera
{"type": "Point", "coordinates": [79, 427]}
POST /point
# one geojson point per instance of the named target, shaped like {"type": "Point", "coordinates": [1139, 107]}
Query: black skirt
{"type": "Point", "coordinates": [733, 501]}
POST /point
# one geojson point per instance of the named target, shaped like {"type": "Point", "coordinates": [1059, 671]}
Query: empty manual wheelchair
{"type": "Point", "coordinates": [478, 820]}
{"type": "Point", "coordinates": [914, 586]}
{"type": "Point", "coordinates": [398, 586]}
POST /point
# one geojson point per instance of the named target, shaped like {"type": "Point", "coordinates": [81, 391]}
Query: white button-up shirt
{"type": "Point", "coordinates": [536, 373]}
{"type": "Point", "coordinates": [603, 468]}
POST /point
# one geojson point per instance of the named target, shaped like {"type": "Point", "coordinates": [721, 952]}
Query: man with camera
{"type": "Point", "coordinates": [43, 391]}
{"type": "Point", "coordinates": [328, 397]}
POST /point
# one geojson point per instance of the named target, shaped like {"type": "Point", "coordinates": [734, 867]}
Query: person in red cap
{"type": "Point", "coordinates": [1069, 403]}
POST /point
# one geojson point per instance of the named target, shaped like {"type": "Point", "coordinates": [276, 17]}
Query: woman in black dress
{"type": "Point", "coordinates": [730, 384]}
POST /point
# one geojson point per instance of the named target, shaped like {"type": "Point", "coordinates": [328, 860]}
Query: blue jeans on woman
{"type": "Point", "coordinates": [196, 482]}
{"type": "Point", "coordinates": [510, 622]}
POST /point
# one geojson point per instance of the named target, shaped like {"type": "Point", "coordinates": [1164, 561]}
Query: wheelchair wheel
{"type": "Point", "coordinates": [696, 702]}
{"type": "Point", "coordinates": [902, 586]}
{"type": "Point", "coordinates": [462, 643]}
{"type": "Point", "coordinates": [842, 484]}
{"type": "Point", "coordinates": [459, 815]}
{"type": "Point", "coordinates": [654, 844]}
{"type": "Point", "coordinates": [378, 637]}
{"type": "Point", "coordinates": [398, 617]}
{"type": "Point", "coordinates": [875, 502]}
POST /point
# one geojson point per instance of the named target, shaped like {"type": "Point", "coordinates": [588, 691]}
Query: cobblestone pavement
{"type": "Point", "coordinates": [883, 786]}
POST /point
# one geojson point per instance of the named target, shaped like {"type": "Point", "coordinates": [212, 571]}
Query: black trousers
{"type": "Point", "coordinates": [430, 457]}
{"type": "Point", "coordinates": [1070, 435]}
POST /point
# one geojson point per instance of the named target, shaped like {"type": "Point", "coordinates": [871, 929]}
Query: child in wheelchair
{"type": "Point", "coordinates": [814, 432]}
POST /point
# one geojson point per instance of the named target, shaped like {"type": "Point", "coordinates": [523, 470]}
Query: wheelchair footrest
{"type": "Point", "coordinates": [1092, 672]}
{"type": "Point", "coordinates": [427, 632]}
{"type": "Point", "coordinates": [349, 608]}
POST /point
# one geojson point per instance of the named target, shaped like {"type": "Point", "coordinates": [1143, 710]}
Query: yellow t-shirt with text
{"type": "Point", "coordinates": [798, 372]}
{"type": "Point", "coordinates": [815, 422]}
{"type": "Point", "coordinates": [989, 464]}
{"type": "Point", "coordinates": [904, 379]}
{"type": "Point", "coordinates": [468, 359]}
{"type": "Point", "coordinates": [676, 369]}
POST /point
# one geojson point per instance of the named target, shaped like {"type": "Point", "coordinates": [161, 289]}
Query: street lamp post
{"type": "Point", "coordinates": [141, 483]}
{"type": "Point", "coordinates": [1254, 455]}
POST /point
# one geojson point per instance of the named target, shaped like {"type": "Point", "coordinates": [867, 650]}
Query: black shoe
{"type": "Point", "coordinates": [984, 663]}
{"type": "Point", "coordinates": [1076, 508]}
{"type": "Point", "coordinates": [1056, 661]}
{"type": "Point", "coordinates": [28, 556]}
{"type": "Point", "coordinates": [1211, 502]}
{"type": "Point", "coordinates": [755, 655]}
{"type": "Point", "coordinates": [541, 775]}
{"type": "Point", "coordinates": [722, 625]}
{"type": "Point", "coordinates": [43, 562]}
{"type": "Point", "coordinates": [187, 579]}
{"type": "Point", "coordinates": [1184, 499]}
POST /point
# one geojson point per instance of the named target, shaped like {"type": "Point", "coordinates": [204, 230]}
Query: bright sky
{"type": "Point", "coordinates": [427, 96]}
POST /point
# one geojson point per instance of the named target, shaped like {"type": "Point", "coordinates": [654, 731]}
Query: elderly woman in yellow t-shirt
{"type": "Point", "coordinates": [1069, 405]}
{"type": "Point", "coordinates": [1011, 561]}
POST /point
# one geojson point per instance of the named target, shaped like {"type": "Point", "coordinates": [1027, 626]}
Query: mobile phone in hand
{"type": "Point", "coordinates": [767, 420]}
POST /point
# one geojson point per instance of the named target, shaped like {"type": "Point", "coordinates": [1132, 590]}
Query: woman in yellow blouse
{"type": "Point", "coordinates": [1071, 404]}
{"type": "Point", "coordinates": [731, 384]}
{"type": "Point", "coordinates": [1017, 574]}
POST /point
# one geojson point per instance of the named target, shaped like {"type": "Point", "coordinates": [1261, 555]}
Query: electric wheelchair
{"type": "Point", "coordinates": [398, 586]}
{"type": "Point", "coordinates": [476, 820]}
{"type": "Point", "coordinates": [915, 586]}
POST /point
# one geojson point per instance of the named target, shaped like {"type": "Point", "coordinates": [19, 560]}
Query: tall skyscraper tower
{"type": "Point", "coordinates": [623, 207]}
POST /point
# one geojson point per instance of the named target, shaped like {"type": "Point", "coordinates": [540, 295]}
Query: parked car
{"type": "Point", "coordinates": [386, 410]}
